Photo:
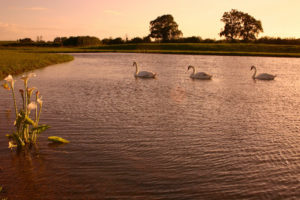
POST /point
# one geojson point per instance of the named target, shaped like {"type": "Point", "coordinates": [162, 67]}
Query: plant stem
{"type": "Point", "coordinates": [26, 101]}
{"type": "Point", "coordinates": [15, 103]}
{"type": "Point", "coordinates": [38, 118]}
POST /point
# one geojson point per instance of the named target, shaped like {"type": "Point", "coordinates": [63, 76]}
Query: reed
{"type": "Point", "coordinates": [28, 116]}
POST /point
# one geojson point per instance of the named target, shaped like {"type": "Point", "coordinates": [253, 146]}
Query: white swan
{"type": "Point", "coordinates": [143, 74]}
{"type": "Point", "coordinates": [263, 76]}
{"type": "Point", "coordinates": [199, 75]}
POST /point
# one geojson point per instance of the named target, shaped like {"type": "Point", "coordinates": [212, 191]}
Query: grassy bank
{"type": "Point", "coordinates": [233, 49]}
{"type": "Point", "coordinates": [208, 49]}
{"type": "Point", "coordinates": [17, 61]}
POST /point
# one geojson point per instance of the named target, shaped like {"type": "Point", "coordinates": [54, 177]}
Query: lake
{"type": "Point", "coordinates": [166, 138]}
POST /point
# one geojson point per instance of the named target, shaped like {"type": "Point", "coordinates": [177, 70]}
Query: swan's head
{"type": "Point", "coordinates": [189, 67]}
{"type": "Point", "coordinates": [252, 67]}
{"type": "Point", "coordinates": [134, 63]}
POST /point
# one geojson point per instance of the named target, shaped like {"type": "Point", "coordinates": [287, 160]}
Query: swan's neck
{"type": "Point", "coordinates": [254, 74]}
{"type": "Point", "coordinates": [136, 68]}
{"type": "Point", "coordinates": [193, 70]}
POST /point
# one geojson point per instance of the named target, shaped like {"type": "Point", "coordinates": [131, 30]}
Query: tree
{"type": "Point", "coordinates": [26, 40]}
{"type": "Point", "coordinates": [136, 40]}
{"type": "Point", "coordinates": [81, 41]}
{"type": "Point", "coordinates": [239, 25]}
{"type": "Point", "coordinates": [59, 40]}
{"type": "Point", "coordinates": [164, 28]}
{"type": "Point", "coordinates": [251, 28]}
{"type": "Point", "coordinates": [193, 39]}
{"type": "Point", "coordinates": [147, 39]}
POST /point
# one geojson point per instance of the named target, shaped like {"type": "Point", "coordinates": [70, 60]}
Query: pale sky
{"type": "Point", "coordinates": [118, 18]}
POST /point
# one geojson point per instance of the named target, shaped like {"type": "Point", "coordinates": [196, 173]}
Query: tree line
{"type": "Point", "coordinates": [238, 27]}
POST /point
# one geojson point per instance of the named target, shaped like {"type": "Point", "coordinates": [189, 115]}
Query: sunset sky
{"type": "Point", "coordinates": [118, 18]}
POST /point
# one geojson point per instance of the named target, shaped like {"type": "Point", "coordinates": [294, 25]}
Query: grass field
{"type": "Point", "coordinates": [238, 49]}
{"type": "Point", "coordinates": [17, 61]}
{"type": "Point", "coordinates": [208, 48]}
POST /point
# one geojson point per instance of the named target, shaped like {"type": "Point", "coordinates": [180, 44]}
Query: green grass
{"type": "Point", "coordinates": [17, 61]}
{"type": "Point", "coordinates": [226, 47]}
{"type": "Point", "coordinates": [208, 48]}
{"type": "Point", "coordinates": [233, 49]}
{"type": "Point", "coordinates": [179, 48]}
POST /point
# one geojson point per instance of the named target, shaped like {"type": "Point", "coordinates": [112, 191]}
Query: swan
{"type": "Point", "coordinates": [143, 74]}
{"type": "Point", "coordinates": [199, 75]}
{"type": "Point", "coordinates": [263, 76]}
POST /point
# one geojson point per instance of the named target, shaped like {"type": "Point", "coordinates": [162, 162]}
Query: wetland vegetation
{"type": "Point", "coordinates": [19, 60]}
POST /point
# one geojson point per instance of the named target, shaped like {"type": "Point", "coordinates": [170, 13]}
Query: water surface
{"type": "Point", "coordinates": [168, 138]}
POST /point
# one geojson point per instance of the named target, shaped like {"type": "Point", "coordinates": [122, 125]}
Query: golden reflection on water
{"type": "Point", "coordinates": [178, 94]}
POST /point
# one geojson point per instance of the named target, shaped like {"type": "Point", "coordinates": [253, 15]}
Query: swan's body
{"type": "Point", "coordinates": [199, 75]}
{"type": "Point", "coordinates": [143, 74]}
{"type": "Point", "coordinates": [262, 76]}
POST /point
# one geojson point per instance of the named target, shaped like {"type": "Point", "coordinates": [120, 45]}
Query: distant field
{"type": "Point", "coordinates": [234, 49]}
{"type": "Point", "coordinates": [16, 61]}
{"type": "Point", "coordinates": [208, 48]}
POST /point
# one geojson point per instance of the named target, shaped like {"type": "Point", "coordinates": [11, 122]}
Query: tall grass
{"type": "Point", "coordinates": [18, 61]}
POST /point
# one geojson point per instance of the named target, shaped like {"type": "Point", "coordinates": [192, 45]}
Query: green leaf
{"type": "Point", "coordinates": [27, 120]}
{"type": "Point", "coordinates": [18, 139]}
{"type": "Point", "coordinates": [19, 119]}
{"type": "Point", "coordinates": [57, 139]}
{"type": "Point", "coordinates": [9, 136]}
{"type": "Point", "coordinates": [40, 128]}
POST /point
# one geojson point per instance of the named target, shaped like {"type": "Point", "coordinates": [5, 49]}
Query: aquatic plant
{"type": "Point", "coordinates": [27, 129]}
{"type": "Point", "coordinates": [56, 139]}
{"type": "Point", "coordinates": [1, 189]}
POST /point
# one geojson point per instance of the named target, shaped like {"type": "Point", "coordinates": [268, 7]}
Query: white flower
{"type": "Point", "coordinates": [25, 78]}
{"type": "Point", "coordinates": [10, 79]}
{"type": "Point", "coordinates": [31, 106]}
{"type": "Point", "coordinates": [30, 90]}
{"type": "Point", "coordinates": [40, 101]}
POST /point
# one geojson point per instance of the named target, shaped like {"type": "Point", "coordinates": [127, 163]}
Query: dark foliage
{"type": "Point", "coordinates": [59, 40]}
{"type": "Point", "coordinates": [278, 40]}
{"type": "Point", "coordinates": [26, 41]}
{"type": "Point", "coordinates": [164, 28]}
{"type": "Point", "coordinates": [136, 40]}
{"type": "Point", "coordinates": [240, 25]}
{"type": "Point", "coordinates": [81, 41]}
{"type": "Point", "coordinates": [192, 39]}
{"type": "Point", "coordinates": [109, 41]}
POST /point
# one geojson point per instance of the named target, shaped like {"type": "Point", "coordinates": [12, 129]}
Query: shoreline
{"type": "Point", "coordinates": [213, 53]}
{"type": "Point", "coordinates": [222, 49]}
{"type": "Point", "coordinates": [16, 62]}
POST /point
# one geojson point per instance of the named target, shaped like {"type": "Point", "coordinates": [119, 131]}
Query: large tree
{"type": "Point", "coordinates": [240, 25]}
{"type": "Point", "coordinates": [164, 28]}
